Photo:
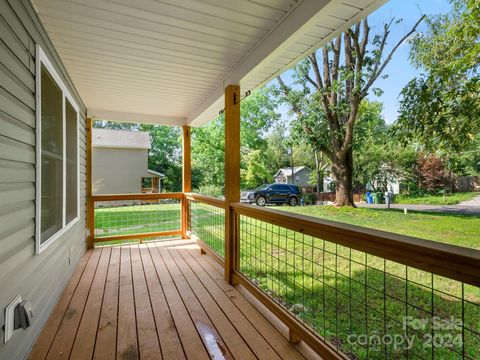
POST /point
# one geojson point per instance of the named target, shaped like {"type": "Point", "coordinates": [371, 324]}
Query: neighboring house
{"type": "Point", "coordinates": [120, 162]}
{"type": "Point", "coordinates": [392, 185]}
{"type": "Point", "coordinates": [328, 184]}
{"type": "Point", "coordinates": [301, 176]}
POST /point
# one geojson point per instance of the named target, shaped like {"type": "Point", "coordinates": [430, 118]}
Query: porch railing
{"type": "Point", "coordinates": [122, 217]}
{"type": "Point", "coordinates": [347, 291]}
{"type": "Point", "coordinates": [206, 224]}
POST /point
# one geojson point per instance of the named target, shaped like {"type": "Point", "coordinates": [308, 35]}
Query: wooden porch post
{"type": "Point", "coordinates": [186, 177]}
{"type": "Point", "coordinates": [232, 176]}
{"type": "Point", "coordinates": [90, 204]}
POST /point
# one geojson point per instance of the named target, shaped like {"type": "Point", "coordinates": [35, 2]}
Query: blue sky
{"type": "Point", "coordinates": [399, 69]}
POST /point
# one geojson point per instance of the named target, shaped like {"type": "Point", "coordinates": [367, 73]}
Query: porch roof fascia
{"type": "Point", "coordinates": [136, 117]}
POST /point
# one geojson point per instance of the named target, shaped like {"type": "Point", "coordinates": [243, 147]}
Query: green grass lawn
{"type": "Point", "coordinates": [339, 291]}
{"type": "Point", "coordinates": [123, 220]}
{"type": "Point", "coordinates": [336, 290]}
{"type": "Point", "coordinates": [462, 230]}
{"type": "Point", "coordinates": [450, 199]}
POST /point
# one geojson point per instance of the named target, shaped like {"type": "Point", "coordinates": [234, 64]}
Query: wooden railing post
{"type": "Point", "coordinates": [232, 177]}
{"type": "Point", "coordinates": [186, 177]}
{"type": "Point", "coordinates": [90, 203]}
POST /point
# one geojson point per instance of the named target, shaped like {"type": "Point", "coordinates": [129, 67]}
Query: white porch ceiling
{"type": "Point", "coordinates": [168, 61]}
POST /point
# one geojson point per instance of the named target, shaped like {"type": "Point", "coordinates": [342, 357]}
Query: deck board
{"type": "Point", "coordinates": [190, 339]}
{"type": "Point", "coordinates": [84, 344]}
{"type": "Point", "coordinates": [170, 343]}
{"type": "Point", "coordinates": [215, 297]}
{"type": "Point", "coordinates": [149, 345]}
{"type": "Point", "coordinates": [209, 335]}
{"type": "Point", "coordinates": [214, 281]}
{"type": "Point", "coordinates": [159, 300]}
{"type": "Point", "coordinates": [234, 342]}
{"type": "Point", "coordinates": [107, 326]}
{"type": "Point", "coordinates": [66, 332]}
{"type": "Point", "coordinates": [41, 348]}
{"type": "Point", "coordinates": [127, 345]}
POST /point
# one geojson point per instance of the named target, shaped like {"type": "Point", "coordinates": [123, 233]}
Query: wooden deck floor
{"type": "Point", "coordinates": [157, 300]}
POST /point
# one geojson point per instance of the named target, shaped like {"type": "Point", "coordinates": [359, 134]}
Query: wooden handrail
{"type": "Point", "coordinates": [455, 262]}
{"type": "Point", "coordinates": [210, 200]}
{"type": "Point", "coordinates": [139, 196]}
{"type": "Point", "coordinates": [137, 236]}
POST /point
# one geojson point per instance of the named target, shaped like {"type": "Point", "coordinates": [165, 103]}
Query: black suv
{"type": "Point", "coordinates": [272, 194]}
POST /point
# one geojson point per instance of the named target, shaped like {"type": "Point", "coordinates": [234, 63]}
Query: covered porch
{"type": "Point", "coordinates": [184, 275]}
{"type": "Point", "coordinates": [161, 299]}
{"type": "Point", "coordinates": [276, 285]}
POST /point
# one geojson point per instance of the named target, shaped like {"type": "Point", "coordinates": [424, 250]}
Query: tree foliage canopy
{"type": "Point", "coordinates": [258, 113]}
{"type": "Point", "coordinates": [441, 108]}
{"type": "Point", "coordinates": [327, 90]}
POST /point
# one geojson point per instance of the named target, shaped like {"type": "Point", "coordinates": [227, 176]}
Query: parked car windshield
{"type": "Point", "coordinates": [263, 187]}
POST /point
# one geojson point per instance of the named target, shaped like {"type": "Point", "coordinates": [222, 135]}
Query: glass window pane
{"type": "Point", "coordinates": [71, 153]}
{"type": "Point", "coordinates": [51, 156]}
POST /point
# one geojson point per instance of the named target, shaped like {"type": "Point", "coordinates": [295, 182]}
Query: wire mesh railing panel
{"type": "Point", "coordinates": [367, 307]}
{"type": "Point", "coordinates": [126, 217]}
{"type": "Point", "coordinates": [207, 222]}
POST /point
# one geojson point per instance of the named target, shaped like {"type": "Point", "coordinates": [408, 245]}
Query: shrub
{"type": "Point", "coordinates": [431, 173]}
{"type": "Point", "coordinates": [309, 199]}
{"type": "Point", "coordinates": [210, 190]}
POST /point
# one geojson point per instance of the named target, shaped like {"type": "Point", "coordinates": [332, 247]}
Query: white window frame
{"type": "Point", "coordinates": [42, 59]}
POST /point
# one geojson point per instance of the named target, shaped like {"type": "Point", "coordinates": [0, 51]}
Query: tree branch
{"type": "Point", "coordinates": [386, 32]}
{"type": "Point", "coordinates": [311, 81]}
{"type": "Point", "coordinates": [354, 98]}
{"type": "Point", "coordinates": [326, 68]}
{"type": "Point", "coordinates": [389, 57]}
{"type": "Point", "coordinates": [360, 46]}
{"type": "Point", "coordinates": [286, 91]}
{"type": "Point", "coordinates": [348, 62]}
{"type": "Point", "coordinates": [366, 31]}
{"type": "Point", "coordinates": [316, 70]}
{"type": "Point", "coordinates": [318, 77]}
{"type": "Point", "coordinates": [335, 68]}
{"type": "Point", "coordinates": [328, 153]}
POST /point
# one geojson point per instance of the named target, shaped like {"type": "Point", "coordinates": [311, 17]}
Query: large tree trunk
{"type": "Point", "coordinates": [342, 169]}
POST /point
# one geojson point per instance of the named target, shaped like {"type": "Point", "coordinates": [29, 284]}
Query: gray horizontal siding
{"type": "Point", "coordinates": [109, 178]}
{"type": "Point", "coordinates": [38, 278]}
{"type": "Point", "coordinates": [15, 129]}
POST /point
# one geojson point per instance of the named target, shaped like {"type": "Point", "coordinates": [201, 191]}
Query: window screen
{"type": "Point", "coordinates": [51, 156]}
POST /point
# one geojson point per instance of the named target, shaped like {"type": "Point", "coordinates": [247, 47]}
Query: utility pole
{"type": "Point", "coordinates": [290, 152]}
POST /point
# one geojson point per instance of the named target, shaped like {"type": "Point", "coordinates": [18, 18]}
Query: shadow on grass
{"type": "Point", "coordinates": [425, 212]}
{"type": "Point", "coordinates": [365, 309]}
{"type": "Point", "coordinates": [349, 309]}
{"type": "Point", "coordinates": [131, 222]}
